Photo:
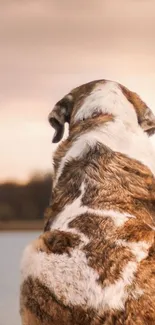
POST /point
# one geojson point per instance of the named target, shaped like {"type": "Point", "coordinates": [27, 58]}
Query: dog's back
{"type": "Point", "coordinates": [95, 262]}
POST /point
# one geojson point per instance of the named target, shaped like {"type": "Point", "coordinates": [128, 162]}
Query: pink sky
{"type": "Point", "coordinates": [49, 47]}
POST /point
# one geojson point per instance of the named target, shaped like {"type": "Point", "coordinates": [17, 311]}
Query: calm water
{"type": "Point", "coordinates": [11, 248]}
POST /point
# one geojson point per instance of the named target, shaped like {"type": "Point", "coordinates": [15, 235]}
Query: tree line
{"type": "Point", "coordinates": [25, 202]}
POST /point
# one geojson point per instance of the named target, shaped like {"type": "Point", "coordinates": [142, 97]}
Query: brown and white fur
{"type": "Point", "coordinates": [95, 262]}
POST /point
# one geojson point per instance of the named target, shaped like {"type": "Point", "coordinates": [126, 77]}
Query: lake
{"type": "Point", "coordinates": [12, 245]}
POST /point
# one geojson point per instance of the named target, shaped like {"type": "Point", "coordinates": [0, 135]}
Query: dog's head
{"type": "Point", "coordinates": [100, 98]}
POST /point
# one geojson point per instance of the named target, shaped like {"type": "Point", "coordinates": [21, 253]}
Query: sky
{"type": "Point", "coordinates": [49, 47]}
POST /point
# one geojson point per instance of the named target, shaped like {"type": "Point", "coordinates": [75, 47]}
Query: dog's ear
{"type": "Point", "coordinates": [60, 114]}
{"type": "Point", "coordinates": [148, 121]}
{"type": "Point", "coordinates": [146, 118]}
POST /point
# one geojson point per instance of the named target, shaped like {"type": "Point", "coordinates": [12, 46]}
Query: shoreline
{"type": "Point", "coordinates": [24, 225]}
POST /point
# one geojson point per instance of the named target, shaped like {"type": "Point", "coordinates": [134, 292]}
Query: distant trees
{"type": "Point", "coordinates": [25, 202]}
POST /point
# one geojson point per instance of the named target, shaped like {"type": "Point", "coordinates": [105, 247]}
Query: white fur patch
{"type": "Point", "coordinates": [115, 295]}
{"type": "Point", "coordinates": [72, 279]}
{"type": "Point", "coordinates": [73, 210]}
{"type": "Point", "coordinates": [139, 249]}
{"type": "Point", "coordinates": [108, 98]}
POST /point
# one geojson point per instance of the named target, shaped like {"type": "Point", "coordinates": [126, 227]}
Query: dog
{"type": "Point", "coordinates": [95, 261]}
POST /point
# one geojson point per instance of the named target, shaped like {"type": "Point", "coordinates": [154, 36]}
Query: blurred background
{"type": "Point", "coordinates": [47, 48]}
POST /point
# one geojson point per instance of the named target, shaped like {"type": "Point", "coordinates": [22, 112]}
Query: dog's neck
{"type": "Point", "coordinates": [115, 135]}
{"type": "Point", "coordinates": [120, 132]}
{"type": "Point", "coordinates": [132, 142]}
